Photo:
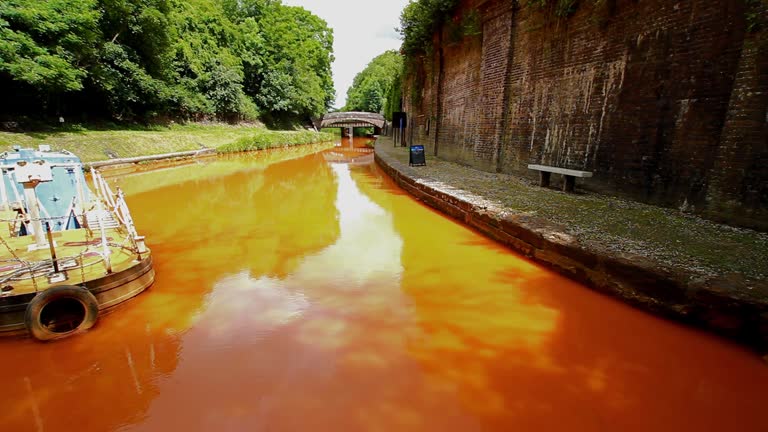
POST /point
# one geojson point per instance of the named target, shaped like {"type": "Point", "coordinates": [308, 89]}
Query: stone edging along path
{"type": "Point", "coordinates": [728, 306]}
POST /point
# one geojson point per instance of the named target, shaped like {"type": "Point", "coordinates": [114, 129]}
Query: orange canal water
{"type": "Point", "coordinates": [300, 290]}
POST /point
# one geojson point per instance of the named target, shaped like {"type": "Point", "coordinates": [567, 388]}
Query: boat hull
{"type": "Point", "coordinates": [109, 290]}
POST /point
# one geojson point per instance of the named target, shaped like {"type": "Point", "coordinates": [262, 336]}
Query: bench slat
{"type": "Point", "coordinates": [563, 171]}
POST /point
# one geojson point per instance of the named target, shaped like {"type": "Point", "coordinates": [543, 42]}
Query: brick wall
{"type": "Point", "coordinates": [664, 101]}
{"type": "Point", "coordinates": [738, 184]}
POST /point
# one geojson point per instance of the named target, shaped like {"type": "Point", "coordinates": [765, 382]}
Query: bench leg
{"type": "Point", "coordinates": [544, 178]}
{"type": "Point", "coordinates": [569, 184]}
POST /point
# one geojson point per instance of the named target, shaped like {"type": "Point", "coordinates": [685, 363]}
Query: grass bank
{"type": "Point", "coordinates": [97, 144]}
{"type": "Point", "coordinates": [264, 139]}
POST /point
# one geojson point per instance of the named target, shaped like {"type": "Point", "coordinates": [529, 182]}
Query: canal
{"type": "Point", "coordinates": [300, 290]}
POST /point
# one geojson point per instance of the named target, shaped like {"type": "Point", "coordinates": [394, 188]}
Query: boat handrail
{"type": "Point", "coordinates": [107, 205]}
{"type": "Point", "coordinates": [117, 204]}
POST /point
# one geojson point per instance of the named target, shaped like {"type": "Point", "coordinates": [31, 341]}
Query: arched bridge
{"type": "Point", "coordinates": [353, 119]}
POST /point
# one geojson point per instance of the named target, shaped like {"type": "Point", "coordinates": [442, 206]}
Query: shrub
{"type": "Point", "coordinates": [270, 139]}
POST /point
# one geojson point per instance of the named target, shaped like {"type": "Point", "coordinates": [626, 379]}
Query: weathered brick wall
{"type": "Point", "coordinates": [664, 101]}
{"type": "Point", "coordinates": [420, 101]}
{"type": "Point", "coordinates": [496, 60]}
{"type": "Point", "coordinates": [738, 185]}
{"type": "Point", "coordinates": [460, 91]}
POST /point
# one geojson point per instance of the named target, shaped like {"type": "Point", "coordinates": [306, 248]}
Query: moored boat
{"type": "Point", "coordinates": [68, 254]}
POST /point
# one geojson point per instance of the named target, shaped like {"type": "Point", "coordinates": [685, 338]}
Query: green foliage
{"type": "Point", "coordinates": [394, 96]}
{"type": "Point", "coordinates": [336, 132]}
{"type": "Point", "coordinates": [141, 27]}
{"type": "Point", "coordinates": [143, 59]}
{"type": "Point", "coordinates": [125, 84]}
{"type": "Point", "coordinates": [297, 61]}
{"type": "Point", "coordinates": [466, 25]}
{"type": "Point", "coordinates": [371, 87]}
{"type": "Point", "coordinates": [207, 70]}
{"type": "Point", "coordinates": [94, 143]}
{"type": "Point", "coordinates": [756, 15]}
{"type": "Point", "coordinates": [559, 8]}
{"type": "Point", "coordinates": [48, 43]}
{"type": "Point", "coordinates": [266, 139]}
{"type": "Point", "coordinates": [566, 8]}
{"type": "Point", "coordinates": [420, 20]}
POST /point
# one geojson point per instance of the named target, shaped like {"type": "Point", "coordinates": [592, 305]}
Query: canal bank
{"type": "Point", "coordinates": [101, 146]}
{"type": "Point", "coordinates": [659, 260]}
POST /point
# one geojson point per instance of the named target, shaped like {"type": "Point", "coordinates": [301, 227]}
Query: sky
{"type": "Point", "coordinates": [362, 29]}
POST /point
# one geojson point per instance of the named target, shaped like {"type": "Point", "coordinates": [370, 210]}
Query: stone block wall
{"type": "Point", "coordinates": [664, 101]}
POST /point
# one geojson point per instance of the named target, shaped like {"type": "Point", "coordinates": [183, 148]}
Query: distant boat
{"type": "Point", "coordinates": [68, 253]}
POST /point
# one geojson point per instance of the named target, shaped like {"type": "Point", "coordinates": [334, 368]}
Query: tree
{"type": "Point", "coordinates": [207, 69]}
{"type": "Point", "coordinates": [420, 20]}
{"type": "Point", "coordinates": [142, 59]}
{"type": "Point", "coordinates": [48, 44]}
{"type": "Point", "coordinates": [297, 61]}
{"type": "Point", "coordinates": [371, 86]}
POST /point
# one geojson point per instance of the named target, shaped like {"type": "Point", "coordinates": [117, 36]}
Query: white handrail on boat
{"type": "Point", "coordinates": [126, 214]}
{"type": "Point", "coordinates": [44, 210]}
{"type": "Point", "coordinates": [14, 180]}
{"type": "Point", "coordinates": [3, 193]}
{"type": "Point", "coordinates": [119, 209]}
{"type": "Point", "coordinates": [104, 245]}
{"type": "Point", "coordinates": [108, 196]}
{"type": "Point", "coordinates": [97, 183]}
{"type": "Point", "coordinates": [80, 194]}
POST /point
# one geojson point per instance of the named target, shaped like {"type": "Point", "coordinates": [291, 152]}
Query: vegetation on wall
{"type": "Point", "coordinates": [394, 102]}
{"type": "Point", "coordinates": [601, 9]}
{"type": "Point", "coordinates": [560, 8]}
{"type": "Point", "coordinates": [371, 87]}
{"type": "Point", "coordinates": [468, 24]}
{"type": "Point", "coordinates": [757, 15]}
{"type": "Point", "coordinates": [148, 59]}
{"type": "Point", "coordinates": [420, 20]}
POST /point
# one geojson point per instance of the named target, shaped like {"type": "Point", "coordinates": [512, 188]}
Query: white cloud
{"type": "Point", "coordinates": [362, 29]}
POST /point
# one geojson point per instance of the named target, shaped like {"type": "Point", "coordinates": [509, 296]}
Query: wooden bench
{"type": "Point", "coordinates": [569, 174]}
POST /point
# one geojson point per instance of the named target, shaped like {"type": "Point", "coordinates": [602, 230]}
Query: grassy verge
{"type": "Point", "coordinates": [264, 139]}
{"type": "Point", "coordinates": [96, 144]}
{"type": "Point", "coordinates": [334, 131]}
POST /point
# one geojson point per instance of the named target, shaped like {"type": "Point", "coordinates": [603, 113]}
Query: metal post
{"type": "Point", "coordinates": [13, 180]}
{"type": "Point", "coordinates": [80, 193]}
{"type": "Point", "coordinates": [3, 192]}
{"type": "Point", "coordinates": [394, 135]}
{"type": "Point", "coordinates": [53, 249]}
{"type": "Point", "coordinates": [544, 178]}
{"type": "Point", "coordinates": [104, 245]}
{"type": "Point", "coordinates": [30, 197]}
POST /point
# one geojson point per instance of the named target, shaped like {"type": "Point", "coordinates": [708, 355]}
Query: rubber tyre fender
{"type": "Point", "coordinates": [32, 317]}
